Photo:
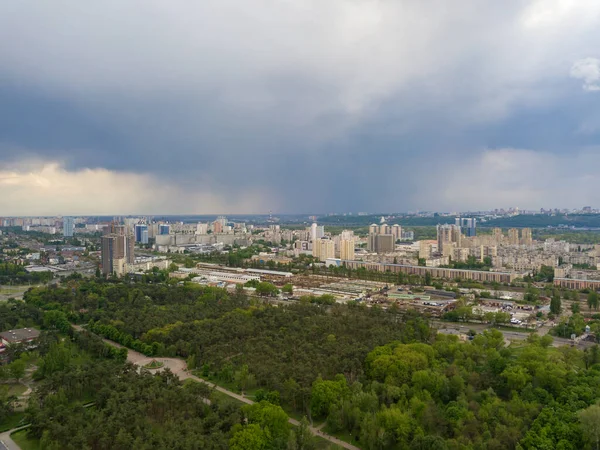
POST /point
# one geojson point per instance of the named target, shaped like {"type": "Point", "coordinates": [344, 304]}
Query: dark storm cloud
{"type": "Point", "coordinates": [308, 106]}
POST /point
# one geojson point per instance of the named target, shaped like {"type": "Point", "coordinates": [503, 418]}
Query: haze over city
{"type": "Point", "coordinates": [223, 107]}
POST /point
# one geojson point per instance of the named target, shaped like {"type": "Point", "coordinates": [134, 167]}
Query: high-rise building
{"type": "Point", "coordinates": [141, 233]}
{"type": "Point", "coordinates": [513, 236]}
{"type": "Point", "coordinates": [313, 232]}
{"type": "Point", "coordinates": [347, 249]}
{"type": "Point", "coordinates": [425, 249]}
{"type": "Point", "coordinates": [397, 231]}
{"type": "Point", "coordinates": [373, 229]}
{"type": "Point", "coordinates": [164, 228]}
{"type": "Point", "coordinates": [468, 224]}
{"type": "Point", "coordinates": [117, 249]}
{"type": "Point", "coordinates": [385, 243]}
{"type": "Point", "coordinates": [68, 226]}
{"type": "Point", "coordinates": [384, 228]}
{"type": "Point", "coordinates": [447, 234]}
{"type": "Point", "coordinates": [347, 234]}
{"type": "Point", "coordinates": [526, 237]}
{"type": "Point", "coordinates": [323, 249]}
{"type": "Point", "coordinates": [202, 228]}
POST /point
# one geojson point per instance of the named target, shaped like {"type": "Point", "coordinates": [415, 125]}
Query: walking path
{"type": "Point", "coordinates": [179, 368]}
{"type": "Point", "coordinates": [6, 443]}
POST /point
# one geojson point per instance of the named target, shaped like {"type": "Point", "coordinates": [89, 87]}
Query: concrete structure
{"type": "Point", "coordinates": [526, 237]}
{"type": "Point", "coordinates": [571, 283]}
{"type": "Point", "coordinates": [448, 234]}
{"type": "Point", "coordinates": [323, 249]}
{"type": "Point", "coordinates": [347, 249]}
{"type": "Point", "coordinates": [117, 249]}
{"type": "Point", "coordinates": [513, 236]}
{"type": "Point", "coordinates": [381, 243]}
{"type": "Point", "coordinates": [164, 229]}
{"type": "Point", "coordinates": [141, 233]}
{"type": "Point", "coordinates": [68, 226]}
{"type": "Point", "coordinates": [468, 224]}
{"type": "Point", "coordinates": [397, 232]}
{"type": "Point", "coordinates": [437, 272]}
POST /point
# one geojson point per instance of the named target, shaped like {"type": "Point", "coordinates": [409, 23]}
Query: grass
{"type": "Point", "coordinates": [221, 397]}
{"type": "Point", "coordinates": [12, 421]}
{"type": "Point", "coordinates": [22, 439]}
{"type": "Point", "coordinates": [16, 389]}
{"type": "Point", "coordinates": [154, 365]}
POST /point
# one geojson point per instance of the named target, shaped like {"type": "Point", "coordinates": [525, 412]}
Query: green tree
{"type": "Point", "coordinates": [266, 289]}
{"type": "Point", "coordinates": [575, 307]}
{"type": "Point", "coordinates": [592, 300]}
{"type": "Point", "coordinates": [272, 419]}
{"type": "Point", "coordinates": [326, 393]}
{"type": "Point", "coordinates": [428, 279]}
{"type": "Point", "coordinates": [17, 369]}
{"type": "Point", "coordinates": [250, 437]}
{"type": "Point", "coordinates": [555, 305]}
{"type": "Point", "coordinates": [302, 438]}
{"type": "Point", "coordinates": [288, 289]}
{"type": "Point", "coordinates": [590, 424]}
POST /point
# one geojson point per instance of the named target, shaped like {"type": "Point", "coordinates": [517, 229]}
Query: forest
{"type": "Point", "coordinates": [372, 377]}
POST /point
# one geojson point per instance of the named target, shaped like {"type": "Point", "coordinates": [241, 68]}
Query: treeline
{"type": "Point", "coordinates": [16, 274]}
{"type": "Point", "coordinates": [475, 395]}
{"type": "Point", "coordinates": [384, 380]}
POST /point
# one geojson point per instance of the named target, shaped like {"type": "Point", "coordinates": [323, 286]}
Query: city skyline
{"type": "Point", "coordinates": [244, 108]}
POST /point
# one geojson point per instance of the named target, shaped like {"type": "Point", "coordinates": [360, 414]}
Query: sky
{"type": "Point", "coordinates": [298, 106]}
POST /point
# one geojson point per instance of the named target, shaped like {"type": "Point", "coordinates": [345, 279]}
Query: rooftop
{"type": "Point", "coordinates": [20, 334]}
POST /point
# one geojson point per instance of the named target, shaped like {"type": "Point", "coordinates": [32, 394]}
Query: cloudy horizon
{"type": "Point", "coordinates": [298, 106]}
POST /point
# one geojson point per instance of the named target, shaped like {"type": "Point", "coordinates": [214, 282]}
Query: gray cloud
{"type": "Point", "coordinates": [326, 106]}
{"type": "Point", "coordinates": [588, 70]}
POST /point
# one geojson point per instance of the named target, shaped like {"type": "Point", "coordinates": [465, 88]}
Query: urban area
{"type": "Point", "coordinates": [410, 308]}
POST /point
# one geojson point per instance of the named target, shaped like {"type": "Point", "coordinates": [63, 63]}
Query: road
{"type": "Point", "coordinates": [454, 328]}
{"type": "Point", "coordinates": [179, 368]}
{"type": "Point", "coordinates": [6, 443]}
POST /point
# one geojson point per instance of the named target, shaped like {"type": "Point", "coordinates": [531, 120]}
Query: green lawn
{"type": "Point", "coordinates": [221, 397]}
{"type": "Point", "coordinates": [154, 365]}
{"type": "Point", "coordinates": [16, 389]}
{"type": "Point", "coordinates": [24, 441]}
{"type": "Point", "coordinates": [12, 421]}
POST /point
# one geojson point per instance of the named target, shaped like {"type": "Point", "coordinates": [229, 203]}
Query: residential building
{"type": "Point", "coordinates": [448, 234]}
{"type": "Point", "coordinates": [513, 236]}
{"type": "Point", "coordinates": [347, 249]}
{"type": "Point", "coordinates": [117, 249]}
{"type": "Point", "coordinates": [381, 243]}
{"type": "Point", "coordinates": [323, 249]}
{"type": "Point", "coordinates": [397, 232]}
{"type": "Point", "coordinates": [526, 237]}
{"type": "Point", "coordinates": [68, 226]}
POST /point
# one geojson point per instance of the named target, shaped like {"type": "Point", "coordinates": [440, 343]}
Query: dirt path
{"type": "Point", "coordinates": [179, 368]}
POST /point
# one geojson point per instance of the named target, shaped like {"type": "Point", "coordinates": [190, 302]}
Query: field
{"type": "Point", "coordinates": [7, 292]}
{"type": "Point", "coordinates": [23, 441]}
